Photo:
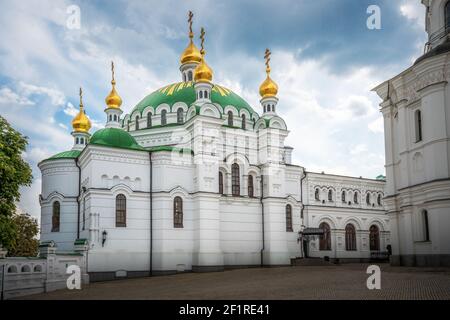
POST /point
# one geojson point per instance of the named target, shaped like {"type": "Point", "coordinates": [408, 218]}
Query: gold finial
{"type": "Point", "coordinates": [191, 53]}
{"type": "Point", "coordinates": [113, 100]}
{"type": "Point", "coordinates": [203, 73]}
{"type": "Point", "coordinates": [81, 98]}
{"type": "Point", "coordinates": [113, 81]}
{"type": "Point", "coordinates": [267, 57]}
{"type": "Point", "coordinates": [268, 88]}
{"type": "Point", "coordinates": [191, 15]}
{"type": "Point", "coordinates": [202, 38]}
{"type": "Point", "coordinates": [81, 122]}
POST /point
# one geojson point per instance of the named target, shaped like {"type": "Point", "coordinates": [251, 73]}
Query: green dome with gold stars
{"type": "Point", "coordinates": [185, 92]}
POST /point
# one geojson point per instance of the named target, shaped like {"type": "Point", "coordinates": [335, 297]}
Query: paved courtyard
{"type": "Point", "coordinates": [346, 281]}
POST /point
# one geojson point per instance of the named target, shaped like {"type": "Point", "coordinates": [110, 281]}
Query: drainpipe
{"type": "Point", "coordinates": [151, 214]}
{"type": "Point", "coordinates": [262, 220]}
{"type": "Point", "coordinates": [301, 210]}
{"type": "Point", "coordinates": [78, 198]}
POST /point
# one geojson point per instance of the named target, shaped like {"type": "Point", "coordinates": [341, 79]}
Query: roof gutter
{"type": "Point", "coordinates": [151, 215]}
{"type": "Point", "coordinates": [262, 220]}
{"type": "Point", "coordinates": [78, 197]}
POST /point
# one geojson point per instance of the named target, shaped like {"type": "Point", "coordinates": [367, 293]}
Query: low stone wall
{"type": "Point", "coordinates": [21, 276]}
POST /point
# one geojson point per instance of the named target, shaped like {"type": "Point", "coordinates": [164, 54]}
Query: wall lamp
{"type": "Point", "coordinates": [104, 234]}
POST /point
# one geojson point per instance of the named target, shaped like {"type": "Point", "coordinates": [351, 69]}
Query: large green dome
{"type": "Point", "coordinates": [116, 138]}
{"type": "Point", "coordinates": [185, 92]}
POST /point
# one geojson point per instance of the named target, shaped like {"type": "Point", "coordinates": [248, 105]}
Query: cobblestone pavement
{"type": "Point", "coordinates": [324, 282]}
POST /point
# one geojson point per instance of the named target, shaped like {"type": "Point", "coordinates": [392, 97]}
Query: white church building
{"type": "Point", "coordinates": [416, 111]}
{"type": "Point", "coordinates": [196, 179]}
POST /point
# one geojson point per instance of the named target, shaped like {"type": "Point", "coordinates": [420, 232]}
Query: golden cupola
{"type": "Point", "coordinates": [191, 54]}
{"type": "Point", "coordinates": [113, 100]}
{"type": "Point", "coordinates": [81, 122]}
{"type": "Point", "coordinates": [268, 88]}
{"type": "Point", "coordinates": [203, 73]}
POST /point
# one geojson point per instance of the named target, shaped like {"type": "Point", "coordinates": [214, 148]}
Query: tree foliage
{"type": "Point", "coordinates": [25, 242]}
{"type": "Point", "coordinates": [14, 171]}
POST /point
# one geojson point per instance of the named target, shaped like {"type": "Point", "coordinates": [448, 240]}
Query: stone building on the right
{"type": "Point", "coordinates": [416, 111]}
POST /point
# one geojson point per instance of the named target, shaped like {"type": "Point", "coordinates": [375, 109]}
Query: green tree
{"type": "Point", "coordinates": [14, 172]}
{"type": "Point", "coordinates": [25, 241]}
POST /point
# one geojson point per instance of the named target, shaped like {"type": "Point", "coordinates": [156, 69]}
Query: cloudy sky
{"type": "Point", "coordinates": [325, 61]}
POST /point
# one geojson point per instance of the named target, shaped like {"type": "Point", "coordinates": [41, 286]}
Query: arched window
{"type": "Point", "coordinates": [426, 227]}
{"type": "Point", "coordinates": [110, 117]}
{"type": "Point", "coordinates": [316, 194]}
{"type": "Point", "coordinates": [220, 182]}
{"type": "Point", "coordinates": [164, 117]}
{"type": "Point", "coordinates": [206, 94]}
{"type": "Point", "coordinates": [180, 116]}
{"type": "Point", "coordinates": [201, 94]}
{"type": "Point", "coordinates": [121, 211]}
{"type": "Point", "coordinates": [178, 212]}
{"type": "Point", "coordinates": [264, 108]}
{"type": "Point", "coordinates": [343, 196]}
{"type": "Point", "coordinates": [81, 140]}
{"type": "Point", "coordinates": [325, 238]}
{"type": "Point", "coordinates": [115, 117]}
{"type": "Point", "coordinates": [149, 120]}
{"type": "Point", "coordinates": [355, 197]}
{"type": "Point", "coordinates": [230, 118]}
{"type": "Point", "coordinates": [289, 218]}
{"type": "Point", "coordinates": [56, 216]}
{"type": "Point", "coordinates": [250, 186]}
{"type": "Point", "coordinates": [350, 238]}
{"type": "Point", "coordinates": [243, 121]}
{"type": "Point", "coordinates": [190, 75]}
{"type": "Point", "coordinates": [379, 199]}
{"type": "Point", "coordinates": [184, 77]}
{"type": "Point", "coordinates": [368, 199]}
{"type": "Point", "coordinates": [418, 125]}
{"type": "Point", "coordinates": [77, 140]}
{"type": "Point", "coordinates": [235, 180]}
{"type": "Point", "coordinates": [330, 195]}
{"type": "Point", "coordinates": [374, 238]}
{"type": "Point", "coordinates": [137, 122]}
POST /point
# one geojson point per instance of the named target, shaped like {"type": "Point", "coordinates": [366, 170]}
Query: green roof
{"type": "Point", "coordinates": [71, 154]}
{"type": "Point", "coordinates": [381, 177]}
{"type": "Point", "coordinates": [115, 138]}
{"type": "Point", "coordinates": [185, 92]}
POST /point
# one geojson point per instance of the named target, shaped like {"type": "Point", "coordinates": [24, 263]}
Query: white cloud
{"type": "Point", "coordinates": [377, 126]}
{"type": "Point", "coordinates": [8, 96]}
{"type": "Point", "coordinates": [415, 11]}
{"type": "Point", "coordinates": [70, 110]}
{"type": "Point", "coordinates": [57, 98]}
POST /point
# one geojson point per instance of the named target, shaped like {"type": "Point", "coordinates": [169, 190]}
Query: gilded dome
{"type": "Point", "coordinates": [81, 122]}
{"type": "Point", "coordinates": [191, 54]}
{"type": "Point", "coordinates": [268, 88]}
{"type": "Point", "coordinates": [113, 100]}
{"type": "Point", "coordinates": [203, 73]}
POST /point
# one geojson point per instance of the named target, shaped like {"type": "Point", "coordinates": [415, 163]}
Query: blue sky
{"type": "Point", "coordinates": [324, 60]}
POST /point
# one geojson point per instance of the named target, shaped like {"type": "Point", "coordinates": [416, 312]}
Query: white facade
{"type": "Point", "coordinates": [212, 158]}
{"type": "Point", "coordinates": [416, 111]}
{"type": "Point", "coordinates": [331, 199]}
